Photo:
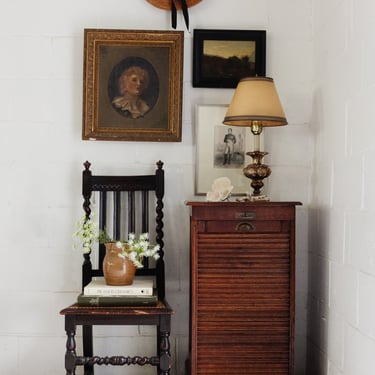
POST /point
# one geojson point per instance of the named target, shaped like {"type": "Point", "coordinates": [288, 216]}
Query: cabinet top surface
{"type": "Point", "coordinates": [241, 204]}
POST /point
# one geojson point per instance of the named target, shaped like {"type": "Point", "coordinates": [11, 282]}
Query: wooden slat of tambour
{"type": "Point", "coordinates": [268, 282]}
{"type": "Point", "coordinates": [230, 361]}
{"type": "Point", "coordinates": [223, 367]}
{"type": "Point", "coordinates": [237, 371]}
{"type": "Point", "coordinates": [273, 359]}
{"type": "Point", "coordinates": [237, 286]}
{"type": "Point", "coordinates": [212, 253]}
{"type": "Point", "coordinates": [230, 268]}
{"type": "Point", "coordinates": [213, 313]}
{"type": "Point", "coordinates": [219, 246]}
{"type": "Point", "coordinates": [277, 304]}
{"type": "Point", "coordinates": [254, 332]}
{"type": "Point", "coordinates": [242, 368]}
{"type": "Point", "coordinates": [238, 325]}
{"type": "Point", "coordinates": [246, 298]}
{"type": "Point", "coordinates": [226, 365]}
{"type": "Point", "coordinates": [274, 355]}
{"type": "Point", "coordinates": [272, 364]}
{"type": "Point", "coordinates": [240, 357]}
{"type": "Point", "coordinates": [263, 253]}
{"type": "Point", "coordinates": [262, 342]}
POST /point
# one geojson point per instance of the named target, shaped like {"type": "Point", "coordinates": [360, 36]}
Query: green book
{"type": "Point", "coordinates": [117, 301]}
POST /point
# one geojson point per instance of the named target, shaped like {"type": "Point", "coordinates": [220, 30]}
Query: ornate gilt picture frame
{"type": "Point", "coordinates": [132, 85]}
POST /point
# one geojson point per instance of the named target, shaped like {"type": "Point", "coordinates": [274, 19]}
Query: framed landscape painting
{"type": "Point", "coordinates": [132, 85]}
{"type": "Point", "coordinates": [222, 57]}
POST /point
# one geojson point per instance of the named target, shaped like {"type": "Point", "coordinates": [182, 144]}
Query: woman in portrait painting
{"type": "Point", "coordinates": [131, 85]}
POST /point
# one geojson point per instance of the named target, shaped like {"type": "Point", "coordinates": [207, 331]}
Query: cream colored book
{"type": "Point", "coordinates": [140, 287]}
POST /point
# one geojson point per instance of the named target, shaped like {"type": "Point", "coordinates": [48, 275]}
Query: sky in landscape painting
{"type": "Point", "coordinates": [228, 48]}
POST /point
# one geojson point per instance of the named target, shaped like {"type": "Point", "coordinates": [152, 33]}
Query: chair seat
{"type": "Point", "coordinates": [87, 317]}
{"type": "Point", "coordinates": [162, 308]}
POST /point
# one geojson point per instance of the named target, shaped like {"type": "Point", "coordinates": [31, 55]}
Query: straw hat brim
{"type": "Point", "coordinates": [166, 4]}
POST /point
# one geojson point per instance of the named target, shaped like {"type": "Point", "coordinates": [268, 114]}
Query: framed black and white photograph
{"type": "Point", "coordinates": [220, 150]}
{"type": "Point", "coordinates": [132, 85]}
{"type": "Point", "coordinates": [222, 57]}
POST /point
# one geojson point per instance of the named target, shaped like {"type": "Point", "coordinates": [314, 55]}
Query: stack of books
{"type": "Point", "coordinates": [98, 293]}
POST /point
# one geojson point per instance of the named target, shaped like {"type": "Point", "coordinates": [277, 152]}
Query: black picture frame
{"type": "Point", "coordinates": [225, 70]}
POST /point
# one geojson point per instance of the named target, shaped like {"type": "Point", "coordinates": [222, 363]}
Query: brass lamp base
{"type": "Point", "coordinates": [257, 172]}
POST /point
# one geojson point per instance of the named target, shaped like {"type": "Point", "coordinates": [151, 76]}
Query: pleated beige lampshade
{"type": "Point", "coordinates": [255, 99]}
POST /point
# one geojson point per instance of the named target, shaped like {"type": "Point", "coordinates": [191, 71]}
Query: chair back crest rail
{"type": "Point", "coordinates": [126, 204]}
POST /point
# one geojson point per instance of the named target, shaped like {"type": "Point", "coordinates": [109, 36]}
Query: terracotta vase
{"type": "Point", "coordinates": [117, 269]}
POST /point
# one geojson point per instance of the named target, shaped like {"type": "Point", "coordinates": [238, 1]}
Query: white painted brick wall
{"type": "Point", "coordinates": [41, 156]}
{"type": "Point", "coordinates": [341, 331]}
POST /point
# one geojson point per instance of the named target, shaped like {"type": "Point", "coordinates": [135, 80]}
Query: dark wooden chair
{"type": "Point", "coordinates": [133, 207]}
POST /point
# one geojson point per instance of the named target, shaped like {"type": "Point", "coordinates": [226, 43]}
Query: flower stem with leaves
{"type": "Point", "coordinates": [86, 233]}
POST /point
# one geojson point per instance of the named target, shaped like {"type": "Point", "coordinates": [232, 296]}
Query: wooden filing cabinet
{"type": "Point", "coordinates": [242, 288]}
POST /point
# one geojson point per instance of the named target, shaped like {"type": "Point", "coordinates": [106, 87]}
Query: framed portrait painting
{"type": "Point", "coordinates": [132, 85]}
{"type": "Point", "coordinates": [220, 150]}
{"type": "Point", "coordinates": [222, 57]}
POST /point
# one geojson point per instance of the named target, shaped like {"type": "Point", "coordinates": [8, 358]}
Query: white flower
{"type": "Point", "coordinates": [119, 245]}
{"type": "Point", "coordinates": [136, 249]}
{"type": "Point", "coordinates": [133, 256]}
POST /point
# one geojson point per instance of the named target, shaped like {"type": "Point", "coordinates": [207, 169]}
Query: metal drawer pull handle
{"type": "Point", "coordinates": [244, 227]}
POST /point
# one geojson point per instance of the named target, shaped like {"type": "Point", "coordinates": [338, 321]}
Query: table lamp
{"type": "Point", "coordinates": [256, 104]}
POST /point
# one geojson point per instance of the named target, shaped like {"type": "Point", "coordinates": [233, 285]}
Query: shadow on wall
{"type": "Point", "coordinates": [317, 294]}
